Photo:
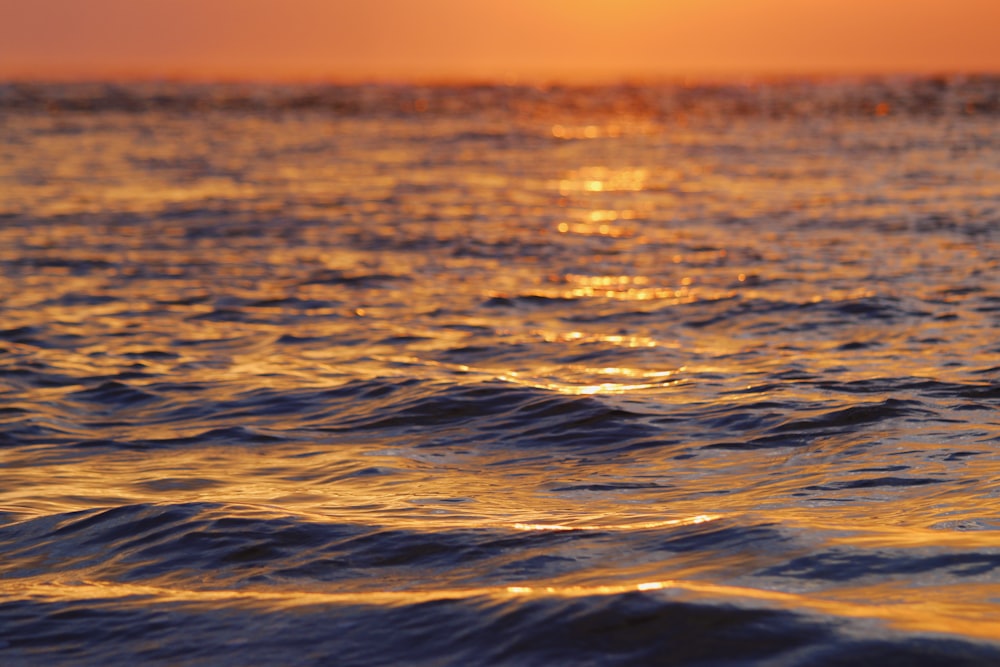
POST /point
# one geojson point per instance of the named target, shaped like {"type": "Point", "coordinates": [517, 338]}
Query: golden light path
{"type": "Point", "coordinates": [643, 525]}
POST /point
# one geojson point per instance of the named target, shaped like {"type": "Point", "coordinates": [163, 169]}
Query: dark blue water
{"type": "Point", "coordinates": [500, 376]}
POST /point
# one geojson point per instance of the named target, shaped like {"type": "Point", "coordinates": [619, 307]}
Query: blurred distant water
{"type": "Point", "coordinates": [491, 375]}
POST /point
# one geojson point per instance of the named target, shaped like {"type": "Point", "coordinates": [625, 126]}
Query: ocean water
{"type": "Point", "coordinates": [500, 375]}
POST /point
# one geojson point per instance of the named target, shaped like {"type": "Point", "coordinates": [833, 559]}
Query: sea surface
{"type": "Point", "coordinates": [679, 374]}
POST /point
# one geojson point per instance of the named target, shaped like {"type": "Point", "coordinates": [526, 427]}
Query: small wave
{"type": "Point", "coordinates": [113, 395]}
{"type": "Point", "coordinates": [611, 629]}
{"type": "Point", "coordinates": [764, 316]}
{"type": "Point", "coordinates": [876, 482]}
{"type": "Point", "coordinates": [856, 415]}
{"type": "Point", "coordinates": [346, 279]}
{"type": "Point", "coordinates": [211, 545]}
{"type": "Point", "coordinates": [843, 565]}
{"type": "Point", "coordinates": [527, 416]}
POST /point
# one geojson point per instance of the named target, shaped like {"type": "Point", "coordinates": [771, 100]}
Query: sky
{"type": "Point", "coordinates": [492, 39]}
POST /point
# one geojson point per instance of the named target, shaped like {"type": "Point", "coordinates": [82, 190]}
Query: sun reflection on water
{"type": "Point", "coordinates": [642, 525]}
{"type": "Point", "coordinates": [603, 179]}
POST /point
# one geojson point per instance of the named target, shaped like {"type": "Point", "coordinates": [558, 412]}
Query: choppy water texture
{"type": "Point", "coordinates": [499, 375]}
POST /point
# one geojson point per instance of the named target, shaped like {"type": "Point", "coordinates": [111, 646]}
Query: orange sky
{"type": "Point", "coordinates": [522, 39]}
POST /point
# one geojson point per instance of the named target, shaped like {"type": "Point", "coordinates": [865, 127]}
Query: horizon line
{"type": "Point", "coordinates": [691, 77]}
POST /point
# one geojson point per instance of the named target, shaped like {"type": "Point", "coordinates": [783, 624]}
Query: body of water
{"type": "Point", "coordinates": [499, 375]}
